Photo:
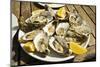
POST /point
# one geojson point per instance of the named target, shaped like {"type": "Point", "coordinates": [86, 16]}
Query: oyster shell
{"type": "Point", "coordinates": [78, 24]}
{"type": "Point", "coordinates": [41, 16]}
{"type": "Point", "coordinates": [30, 35]}
{"type": "Point", "coordinates": [37, 21]}
{"type": "Point", "coordinates": [57, 47]}
{"type": "Point", "coordinates": [82, 29]}
{"type": "Point", "coordinates": [49, 29]}
{"type": "Point", "coordinates": [62, 29]}
{"type": "Point", "coordinates": [62, 41]}
{"type": "Point", "coordinates": [41, 42]}
{"type": "Point", "coordinates": [74, 18]}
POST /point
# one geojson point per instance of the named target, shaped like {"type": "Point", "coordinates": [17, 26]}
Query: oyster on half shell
{"type": "Point", "coordinates": [30, 35]}
{"type": "Point", "coordinates": [57, 47]}
{"type": "Point", "coordinates": [74, 18]}
{"type": "Point", "coordinates": [78, 24]}
{"type": "Point", "coordinates": [41, 16]}
{"type": "Point", "coordinates": [62, 29]}
{"type": "Point", "coordinates": [41, 42]}
{"type": "Point", "coordinates": [49, 29]}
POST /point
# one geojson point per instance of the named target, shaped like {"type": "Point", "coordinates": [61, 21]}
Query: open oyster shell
{"type": "Point", "coordinates": [31, 35]}
{"type": "Point", "coordinates": [62, 29]}
{"type": "Point", "coordinates": [49, 29]}
{"type": "Point", "coordinates": [78, 24]}
{"type": "Point", "coordinates": [41, 16]}
{"type": "Point", "coordinates": [74, 18]}
{"type": "Point", "coordinates": [38, 19]}
{"type": "Point", "coordinates": [41, 42]}
{"type": "Point", "coordinates": [56, 46]}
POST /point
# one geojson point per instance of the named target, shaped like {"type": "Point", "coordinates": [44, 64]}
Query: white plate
{"type": "Point", "coordinates": [49, 58]}
{"type": "Point", "coordinates": [52, 5]}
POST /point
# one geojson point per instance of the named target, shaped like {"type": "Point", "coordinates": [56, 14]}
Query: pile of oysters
{"type": "Point", "coordinates": [51, 30]}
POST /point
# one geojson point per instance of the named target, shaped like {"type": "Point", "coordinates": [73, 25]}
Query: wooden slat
{"type": "Point", "coordinates": [25, 9]}
{"type": "Point", "coordinates": [84, 16]}
{"type": "Point", "coordinates": [70, 7]}
{"type": "Point", "coordinates": [66, 7]}
{"type": "Point", "coordinates": [90, 13]}
{"type": "Point", "coordinates": [15, 8]}
{"type": "Point", "coordinates": [93, 8]}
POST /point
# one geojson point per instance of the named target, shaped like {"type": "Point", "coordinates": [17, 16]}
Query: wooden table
{"type": "Point", "coordinates": [88, 13]}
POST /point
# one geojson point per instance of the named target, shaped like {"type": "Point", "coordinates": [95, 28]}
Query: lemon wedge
{"type": "Point", "coordinates": [29, 46]}
{"type": "Point", "coordinates": [61, 12]}
{"type": "Point", "coordinates": [76, 48]}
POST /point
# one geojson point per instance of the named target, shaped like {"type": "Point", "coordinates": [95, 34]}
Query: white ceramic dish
{"type": "Point", "coordinates": [50, 58]}
{"type": "Point", "coordinates": [52, 5]}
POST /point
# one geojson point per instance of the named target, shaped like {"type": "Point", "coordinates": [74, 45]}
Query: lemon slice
{"type": "Point", "coordinates": [61, 12]}
{"type": "Point", "coordinates": [76, 48]}
{"type": "Point", "coordinates": [29, 46]}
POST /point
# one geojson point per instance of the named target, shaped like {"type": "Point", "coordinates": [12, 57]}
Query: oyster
{"type": "Point", "coordinates": [62, 29]}
{"type": "Point", "coordinates": [41, 16]}
{"type": "Point", "coordinates": [37, 21]}
{"type": "Point", "coordinates": [57, 47]}
{"type": "Point", "coordinates": [82, 29]}
{"type": "Point", "coordinates": [30, 35]}
{"type": "Point", "coordinates": [49, 29]}
{"type": "Point", "coordinates": [70, 33]}
{"type": "Point", "coordinates": [41, 42]}
{"type": "Point", "coordinates": [74, 18]}
{"type": "Point", "coordinates": [62, 41]}
{"type": "Point", "coordinates": [78, 24]}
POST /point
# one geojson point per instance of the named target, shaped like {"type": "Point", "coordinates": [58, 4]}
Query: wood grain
{"type": "Point", "coordinates": [15, 8]}
{"type": "Point", "coordinates": [25, 10]}
{"type": "Point", "coordinates": [93, 8]}
{"type": "Point", "coordinates": [90, 13]}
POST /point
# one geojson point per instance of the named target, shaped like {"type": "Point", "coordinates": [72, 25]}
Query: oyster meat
{"type": "Point", "coordinates": [49, 29]}
{"type": "Point", "coordinates": [30, 35]}
{"type": "Point", "coordinates": [42, 17]}
{"type": "Point", "coordinates": [62, 29]}
{"type": "Point", "coordinates": [41, 42]}
{"type": "Point", "coordinates": [82, 29]}
{"type": "Point", "coordinates": [57, 47]}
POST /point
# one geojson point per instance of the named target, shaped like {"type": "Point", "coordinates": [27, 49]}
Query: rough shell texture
{"type": "Point", "coordinates": [31, 35]}
{"type": "Point", "coordinates": [41, 42]}
{"type": "Point", "coordinates": [49, 29]}
{"type": "Point", "coordinates": [57, 47]}
{"type": "Point", "coordinates": [62, 29]}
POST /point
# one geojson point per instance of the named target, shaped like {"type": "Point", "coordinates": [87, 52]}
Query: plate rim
{"type": "Point", "coordinates": [43, 4]}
